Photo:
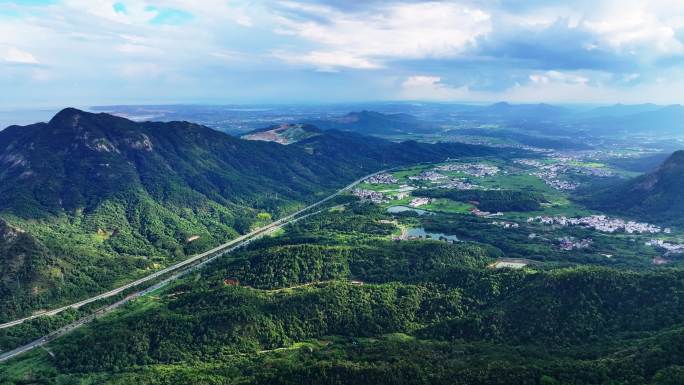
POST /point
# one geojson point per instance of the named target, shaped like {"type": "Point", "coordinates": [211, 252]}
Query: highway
{"type": "Point", "coordinates": [180, 269]}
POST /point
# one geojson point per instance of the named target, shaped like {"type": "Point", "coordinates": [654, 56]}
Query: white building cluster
{"type": "Point", "coordinates": [486, 214]}
{"type": "Point", "coordinates": [457, 184]}
{"type": "Point", "coordinates": [429, 175]}
{"type": "Point", "coordinates": [550, 175]}
{"type": "Point", "coordinates": [563, 164]}
{"type": "Point", "coordinates": [383, 178]}
{"type": "Point", "coordinates": [417, 202]}
{"type": "Point", "coordinates": [529, 162]}
{"type": "Point", "coordinates": [569, 243]}
{"type": "Point", "coordinates": [370, 195]}
{"type": "Point", "coordinates": [671, 248]}
{"type": "Point", "coordinates": [599, 222]}
{"type": "Point", "coordinates": [506, 225]}
{"type": "Point", "coordinates": [473, 169]}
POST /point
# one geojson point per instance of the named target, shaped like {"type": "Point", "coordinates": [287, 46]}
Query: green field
{"type": "Point", "coordinates": [448, 206]}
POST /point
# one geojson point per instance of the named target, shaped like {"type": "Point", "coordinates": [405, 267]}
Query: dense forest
{"type": "Point", "coordinates": [344, 296]}
{"type": "Point", "coordinates": [656, 196]}
{"type": "Point", "coordinates": [331, 301]}
{"type": "Point", "coordinates": [100, 199]}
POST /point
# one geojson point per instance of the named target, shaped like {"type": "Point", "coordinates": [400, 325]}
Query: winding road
{"type": "Point", "coordinates": [180, 269]}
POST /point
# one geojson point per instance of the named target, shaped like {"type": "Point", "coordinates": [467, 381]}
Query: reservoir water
{"type": "Point", "coordinates": [401, 209]}
{"type": "Point", "coordinates": [419, 232]}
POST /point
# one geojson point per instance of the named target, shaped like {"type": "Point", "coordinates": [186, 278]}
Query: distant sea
{"type": "Point", "coordinates": [23, 117]}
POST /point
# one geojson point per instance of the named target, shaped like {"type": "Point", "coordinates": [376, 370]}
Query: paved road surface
{"type": "Point", "coordinates": [181, 269]}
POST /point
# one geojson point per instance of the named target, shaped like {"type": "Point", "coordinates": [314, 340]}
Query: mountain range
{"type": "Point", "coordinates": [640, 119]}
{"type": "Point", "coordinates": [376, 123]}
{"type": "Point", "coordinates": [99, 198]}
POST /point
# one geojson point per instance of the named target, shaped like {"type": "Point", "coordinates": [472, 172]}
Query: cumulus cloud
{"type": "Point", "coordinates": [549, 86]}
{"type": "Point", "coordinates": [421, 81]}
{"type": "Point", "coordinates": [328, 61]}
{"type": "Point", "coordinates": [427, 87]}
{"type": "Point", "coordinates": [15, 55]}
{"type": "Point", "coordinates": [385, 33]}
{"type": "Point", "coordinates": [558, 77]}
{"type": "Point", "coordinates": [553, 50]}
{"type": "Point", "coordinates": [642, 25]}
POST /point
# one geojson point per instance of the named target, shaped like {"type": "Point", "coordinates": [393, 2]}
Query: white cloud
{"type": "Point", "coordinates": [396, 31]}
{"type": "Point", "coordinates": [422, 46]}
{"type": "Point", "coordinates": [328, 60]}
{"type": "Point", "coordinates": [638, 25]}
{"type": "Point", "coordinates": [426, 87]}
{"type": "Point", "coordinates": [551, 86]}
{"type": "Point", "coordinates": [557, 77]}
{"type": "Point", "coordinates": [15, 55]}
{"type": "Point", "coordinates": [421, 81]}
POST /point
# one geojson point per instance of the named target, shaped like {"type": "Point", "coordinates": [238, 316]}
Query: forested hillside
{"type": "Point", "coordinates": [332, 302]}
{"type": "Point", "coordinates": [102, 199]}
{"type": "Point", "coordinates": [656, 196]}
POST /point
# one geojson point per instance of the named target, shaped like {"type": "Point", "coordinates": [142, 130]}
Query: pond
{"type": "Point", "coordinates": [419, 232]}
{"type": "Point", "coordinates": [402, 209]}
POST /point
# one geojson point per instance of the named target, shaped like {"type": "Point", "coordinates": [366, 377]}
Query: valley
{"type": "Point", "coordinates": [327, 192]}
{"type": "Point", "coordinates": [178, 270]}
{"type": "Point", "coordinates": [335, 295]}
{"type": "Point", "coordinates": [487, 260]}
{"type": "Point", "coordinates": [513, 203]}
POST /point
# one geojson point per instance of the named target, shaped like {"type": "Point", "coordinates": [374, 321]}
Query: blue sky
{"type": "Point", "coordinates": [88, 52]}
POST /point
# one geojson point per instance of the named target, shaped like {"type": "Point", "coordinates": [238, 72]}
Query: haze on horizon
{"type": "Point", "coordinates": [90, 52]}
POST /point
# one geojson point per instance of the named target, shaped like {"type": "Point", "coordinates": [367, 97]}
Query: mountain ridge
{"type": "Point", "coordinates": [375, 123]}
{"type": "Point", "coordinates": [656, 196]}
{"type": "Point", "coordinates": [105, 198]}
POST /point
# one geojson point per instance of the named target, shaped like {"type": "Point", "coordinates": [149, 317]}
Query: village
{"type": "Point", "coordinates": [383, 178]}
{"type": "Point", "coordinates": [601, 223]}
{"type": "Point", "coordinates": [550, 175]}
{"type": "Point", "coordinates": [550, 171]}
{"type": "Point", "coordinates": [569, 243]}
{"type": "Point", "coordinates": [473, 169]}
{"type": "Point", "coordinates": [370, 195]}
{"type": "Point", "coordinates": [430, 176]}
{"type": "Point", "coordinates": [400, 192]}
{"type": "Point", "coordinates": [560, 166]}
{"type": "Point", "coordinates": [670, 248]}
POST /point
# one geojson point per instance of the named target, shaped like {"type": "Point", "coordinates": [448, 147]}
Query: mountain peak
{"type": "Point", "coordinates": [68, 115]}
{"type": "Point", "coordinates": [674, 160]}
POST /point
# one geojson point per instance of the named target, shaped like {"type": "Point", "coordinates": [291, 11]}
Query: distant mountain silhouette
{"type": "Point", "coordinates": [619, 110]}
{"type": "Point", "coordinates": [650, 120]}
{"type": "Point", "coordinates": [376, 123]}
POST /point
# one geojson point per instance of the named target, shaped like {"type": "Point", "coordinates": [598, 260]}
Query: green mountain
{"type": "Point", "coordinates": [376, 123]}
{"type": "Point", "coordinates": [657, 196]}
{"type": "Point", "coordinates": [102, 199]}
{"type": "Point", "coordinates": [333, 301]}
